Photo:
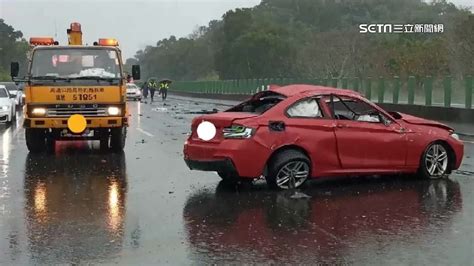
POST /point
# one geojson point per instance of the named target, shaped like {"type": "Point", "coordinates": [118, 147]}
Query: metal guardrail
{"type": "Point", "coordinates": [429, 91]}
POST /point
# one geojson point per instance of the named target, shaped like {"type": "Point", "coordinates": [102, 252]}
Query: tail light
{"type": "Point", "coordinates": [238, 132]}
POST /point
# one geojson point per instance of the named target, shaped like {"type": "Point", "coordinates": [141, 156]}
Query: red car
{"type": "Point", "coordinates": [293, 133]}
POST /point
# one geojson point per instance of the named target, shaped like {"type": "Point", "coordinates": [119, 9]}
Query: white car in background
{"type": "Point", "coordinates": [15, 92]}
{"type": "Point", "coordinates": [7, 106]}
{"type": "Point", "coordinates": [133, 92]}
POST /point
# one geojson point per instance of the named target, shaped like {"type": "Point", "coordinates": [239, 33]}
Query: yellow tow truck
{"type": "Point", "coordinates": [74, 92]}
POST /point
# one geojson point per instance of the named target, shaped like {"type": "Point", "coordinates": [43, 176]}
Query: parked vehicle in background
{"type": "Point", "coordinates": [133, 92]}
{"type": "Point", "coordinates": [15, 91]}
{"type": "Point", "coordinates": [293, 133]}
{"type": "Point", "coordinates": [7, 106]}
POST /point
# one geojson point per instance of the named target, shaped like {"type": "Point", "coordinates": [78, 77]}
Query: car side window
{"type": "Point", "coordinates": [346, 108]}
{"type": "Point", "coordinates": [307, 108]}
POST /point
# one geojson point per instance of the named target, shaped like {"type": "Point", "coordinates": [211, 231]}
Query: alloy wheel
{"type": "Point", "coordinates": [436, 160]}
{"type": "Point", "coordinates": [292, 175]}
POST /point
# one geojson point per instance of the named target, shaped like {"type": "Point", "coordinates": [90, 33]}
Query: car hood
{"type": "Point", "coordinates": [5, 101]}
{"type": "Point", "coordinates": [14, 92]}
{"type": "Point", "coordinates": [410, 119]}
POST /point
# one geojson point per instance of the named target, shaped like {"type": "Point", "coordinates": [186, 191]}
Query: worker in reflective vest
{"type": "Point", "coordinates": [164, 86]}
{"type": "Point", "coordinates": [152, 86]}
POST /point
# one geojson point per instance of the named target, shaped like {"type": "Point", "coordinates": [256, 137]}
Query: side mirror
{"type": "Point", "coordinates": [14, 69]}
{"type": "Point", "coordinates": [136, 72]}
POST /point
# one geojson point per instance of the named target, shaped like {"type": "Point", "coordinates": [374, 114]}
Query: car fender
{"type": "Point", "coordinates": [419, 137]}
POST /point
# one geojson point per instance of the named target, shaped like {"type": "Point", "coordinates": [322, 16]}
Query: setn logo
{"type": "Point", "coordinates": [375, 28]}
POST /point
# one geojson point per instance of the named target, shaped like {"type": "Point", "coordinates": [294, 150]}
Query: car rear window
{"type": "Point", "coordinates": [259, 103]}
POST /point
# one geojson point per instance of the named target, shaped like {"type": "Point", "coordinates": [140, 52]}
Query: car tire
{"type": "Point", "coordinates": [117, 138]}
{"type": "Point", "coordinates": [35, 140]}
{"type": "Point", "coordinates": [435, 161]}
{"type": "Point", "coordinates": [288, 169]}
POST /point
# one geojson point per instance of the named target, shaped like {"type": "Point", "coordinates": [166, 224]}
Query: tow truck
{"type": "Point", "coordinates": [74, 92]}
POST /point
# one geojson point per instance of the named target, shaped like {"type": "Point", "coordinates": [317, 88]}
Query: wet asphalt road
{"type": "Point", "coordinates": [81, 206]}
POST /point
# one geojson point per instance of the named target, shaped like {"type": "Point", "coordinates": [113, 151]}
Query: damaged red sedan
{"type": "Point", "coordinates": [293, 133]}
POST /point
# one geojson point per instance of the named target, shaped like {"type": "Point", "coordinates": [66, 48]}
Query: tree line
{"type": "Point", "coordinates": [13, 48]}
{"type": "Point", "coordinates": [316, 38]}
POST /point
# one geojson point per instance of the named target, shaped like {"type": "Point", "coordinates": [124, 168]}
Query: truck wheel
{"type": "Point", "coordinates": [104, 143]}
{"type": "Point", "coordinates": [117, 138]}
{"type": "Point", "coordinates": [104, 139]}
{"type": "Point", "coordinates": [50, 144]}
{"type": "Point", "coordinates": [35, 140]}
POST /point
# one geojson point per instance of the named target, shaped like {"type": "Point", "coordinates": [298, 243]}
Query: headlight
{"type": "Point", "coordinates": [4, 108]}
{"type": "Point", "coordinates": [23, 96]}
{"type": "Point", "coordinates": [455, 136]}
{"type": "Point", "coordinates": [113, 110]}
{"type": "Point", "coordinates": [138, 93]}
{"type": "Point", "coordinates": [38, 111]}
{"type": "Point", "coordinates": [238, 132]}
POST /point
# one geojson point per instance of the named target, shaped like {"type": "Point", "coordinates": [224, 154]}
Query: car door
{"type": "Point", "coordinates": [310, 127]}
{"type": "Point", "coordinates": [366, 137]}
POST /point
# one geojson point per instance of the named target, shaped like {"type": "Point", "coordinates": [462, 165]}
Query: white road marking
{"type": "Point", "coordinates": [467, 141]}
{"type": "Point", "coordinates": [145, 132]}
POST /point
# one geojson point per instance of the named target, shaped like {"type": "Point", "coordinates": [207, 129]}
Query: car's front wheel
{"type": "Point", "coordinates": [435, 161]}
{"type": "Point", "coordinates": [289, 169]}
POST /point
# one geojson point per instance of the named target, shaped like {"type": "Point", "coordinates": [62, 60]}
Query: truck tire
{"type": "Point", "coordinates": [35, 140]}
{"type": "Point", "coordinates": [50, 144]}
{"type": "Point", "coordinates": [117, 138]}
{"type": "Point", "coordinates": [104, 139]}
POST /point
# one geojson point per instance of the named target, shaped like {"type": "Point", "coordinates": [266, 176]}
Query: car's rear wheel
{"type": "Point", "coordinates": [434, 162]}
{"type": "Point", "coordinates": [289, 169]}
{"type": "Point", "coordinates": [35, 139]}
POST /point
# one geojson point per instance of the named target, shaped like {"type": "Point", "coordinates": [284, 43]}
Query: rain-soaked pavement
{"type": "Point", "coordinates": [81, 206]}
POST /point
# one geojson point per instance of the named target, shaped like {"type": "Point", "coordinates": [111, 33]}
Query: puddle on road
{"type": "Point", "coordinates": [327, 220]}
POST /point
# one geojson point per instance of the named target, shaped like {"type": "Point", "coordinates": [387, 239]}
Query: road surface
{"type": "Point", "coordinates": [81, 206]}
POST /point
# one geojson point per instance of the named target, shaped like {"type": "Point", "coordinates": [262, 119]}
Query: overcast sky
{"type": "Point", "coordinates": [134, 23]}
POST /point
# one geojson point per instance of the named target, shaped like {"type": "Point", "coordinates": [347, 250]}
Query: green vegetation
{"type": "Point", "coordinates": [12, 48]}
{"type": "Point", "coordinates": [318, 38]}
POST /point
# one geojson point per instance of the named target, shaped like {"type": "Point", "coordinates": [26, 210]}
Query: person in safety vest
{"type": "Point", "coordinates": [164, 86]}
{"type": "Point", "coordinates": [152, 86]}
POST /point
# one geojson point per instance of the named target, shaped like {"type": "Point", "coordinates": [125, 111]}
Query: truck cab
{"type": "Point", "coordinates": [75, 92]}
